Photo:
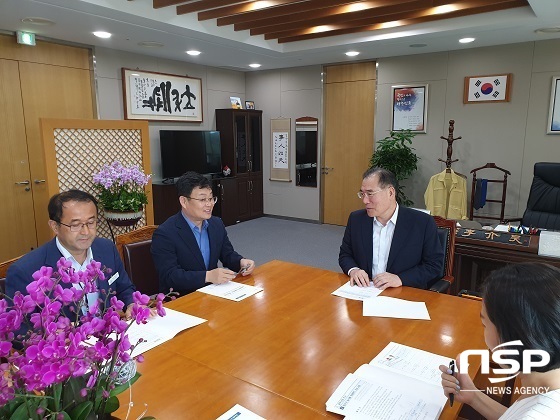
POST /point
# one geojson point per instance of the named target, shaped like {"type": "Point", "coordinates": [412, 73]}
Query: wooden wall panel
{"type": "Point", "coordinates": [50, 92]}
{"type": "Point", "coordinates": [350, 72]}
{"type": "Point", "coordinates": [17, 219]}
{"type": "Point", "coordinates": [349, 107]}
{"type": "Point", "coordinates": [45, 53]}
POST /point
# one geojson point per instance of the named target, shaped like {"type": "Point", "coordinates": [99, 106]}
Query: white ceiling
{"type": "Point", "coordinates": [135, 21]}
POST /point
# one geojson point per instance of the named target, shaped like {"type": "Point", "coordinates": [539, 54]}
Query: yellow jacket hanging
{"type": "Point", "coordinates": [446, 195]}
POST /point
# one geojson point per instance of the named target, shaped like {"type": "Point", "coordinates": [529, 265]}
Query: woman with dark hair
{"type": "Point", "coordinates": [520, 303]}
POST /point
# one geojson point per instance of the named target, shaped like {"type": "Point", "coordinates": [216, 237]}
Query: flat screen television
{"type": "Point", "coordinates": [183, 151]}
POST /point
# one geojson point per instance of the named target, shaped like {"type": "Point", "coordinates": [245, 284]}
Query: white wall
{"type": "Point", "coordinates": [217, 86]}
{"type": "Point", "coordinates": [287, 93]}
{"type": "Point", "coordinates": [510, 134]}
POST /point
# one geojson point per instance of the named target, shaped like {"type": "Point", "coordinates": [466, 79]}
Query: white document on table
{"type": "Point", "coordinates": [159, 329]}
{"type": "Point", "coordinates": [238, 412]}
{"type": "Point", "coordinates": [231, 290]}
{"type": "Point", "coordinates": [401, 382]}
{"type": "Point", "coordinates": [356, 292]}
{"type": "Point", "coordinates": [388, 307]}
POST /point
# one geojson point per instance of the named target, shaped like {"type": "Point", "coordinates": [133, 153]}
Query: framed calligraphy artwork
{"type": "Point", "coordinates": [161, 97]}
{"type": "Point", "coordinates": [280, 155]}
{"type": "Point", "coordinates": [410, 108]}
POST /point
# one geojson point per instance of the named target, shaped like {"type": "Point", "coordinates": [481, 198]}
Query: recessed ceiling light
{"type": "Point", "coordinates": [418, 45]}
{"type": "Point", "coordinates": [466, 40]}
{"type": "Point", "coordinates": [38, 21]}
{"type": "Point", "coordinates": [254, 65]}
{"type": "Point", "coordinates": [352, 53]}
{"type": "Point", "coordinates": [552, 30]}
{"type": "Point", "coordinates": [102, 34]}
{"type": "Point", "coordinates": [446, 8]}
{"type": "Point", "coordinates": [193, 52]}
{"type": "Point", "coordinates": [150, 44]}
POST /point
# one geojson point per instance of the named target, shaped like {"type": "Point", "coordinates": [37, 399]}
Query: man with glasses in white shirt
{"type": "Point", "coordinates": [73, 218]}
{"type": "Point", "coordinates": [187, 246]}
{"type": "Point", "coordinates": [386, 244]}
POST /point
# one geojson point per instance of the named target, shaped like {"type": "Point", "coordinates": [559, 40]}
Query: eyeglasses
{"type": "Point", "coordinates": [368, 194]}
{"type": "Point", "coordinates": [76, 227]}
{"type": "Point", "coordinates": [209, 200]}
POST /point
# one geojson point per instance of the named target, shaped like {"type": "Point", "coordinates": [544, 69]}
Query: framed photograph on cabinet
{"type": "Point", "coordinates": [554, 111]}
{"type": "Point", "coordinates": [161, 96]}
{"type": "Point", "coordinates": [410, 108]}
{"type": "Point", "coordinates": [249, 105]}
{"type": "Point", "coordinates": [235, 102]}
{"type": "Point", "coordinates": [492, 88]}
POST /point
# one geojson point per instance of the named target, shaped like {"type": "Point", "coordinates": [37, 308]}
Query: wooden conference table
{"type": "Point", "coordinates": [282, 352]}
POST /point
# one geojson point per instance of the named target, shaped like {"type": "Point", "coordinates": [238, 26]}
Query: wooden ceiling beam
{"type": "Point", "coordinates": [158, 4]}
{"type": "Point", "coordinates": [323, 17]}
{"type": "Point", "coordinates": [247, 7]}
{"type": "Point", "coordinates": [294, 36]}
{"type": "Point", "coordinates": [310, 8]}
{"type": "Point", "coordinates": [202, 5]}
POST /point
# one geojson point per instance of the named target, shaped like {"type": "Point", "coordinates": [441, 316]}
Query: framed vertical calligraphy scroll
{"type": "Point", "coordinates": [161, 96]}
{"type": "Point", "coordinates": [280, 159]}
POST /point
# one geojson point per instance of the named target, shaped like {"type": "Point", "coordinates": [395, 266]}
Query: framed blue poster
{"type": "Point", "coordinates": [410, 108]}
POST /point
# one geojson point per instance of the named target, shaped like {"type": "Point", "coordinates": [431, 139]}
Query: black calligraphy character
{"type": "Point", "coordinates": [176, 100]}
{"type": "Point", "coordinates": [165, 88]}
{"type": "Point", "coordinates": [154, 102]}
{"type": "Point", "coordinates": [189, 95]}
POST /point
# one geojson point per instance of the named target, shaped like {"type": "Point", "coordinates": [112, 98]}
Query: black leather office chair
{"type": "Point", "coordinates": [134, 248]}
{"type": "Point", "coordinates": [543, 205]}
{"type": "Point", "coordinates": [447, 230]}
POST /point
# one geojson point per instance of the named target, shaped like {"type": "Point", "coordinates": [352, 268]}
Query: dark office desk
{"type": "Point", "coordinates": [478, 252]}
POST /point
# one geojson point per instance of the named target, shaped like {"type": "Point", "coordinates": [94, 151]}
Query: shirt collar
{"type": "Point", "coordinates": [454, 176]}
{"type": "Point", "coordinates": [66, 254]}
{"type": "Point", "coordinates": [192, 225]}
{"type": "Point", "coordinates": [393, 218]}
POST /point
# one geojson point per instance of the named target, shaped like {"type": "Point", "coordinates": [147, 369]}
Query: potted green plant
{"type": "Point", "coordinates": [396, 154]}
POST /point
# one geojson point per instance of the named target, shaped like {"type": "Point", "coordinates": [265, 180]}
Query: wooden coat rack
{"type": "Point", "coordinates": [450, 139]}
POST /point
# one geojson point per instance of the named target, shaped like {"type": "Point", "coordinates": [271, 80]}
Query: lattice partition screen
{"type": "Point", "coordinates": [80, 152]}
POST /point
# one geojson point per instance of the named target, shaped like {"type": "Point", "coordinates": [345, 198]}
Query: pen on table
{"type": "Point", "coordinates": [452, 368]}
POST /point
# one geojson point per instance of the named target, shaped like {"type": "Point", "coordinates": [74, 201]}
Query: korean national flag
{"type": "Point", "coordinates": [488, 88]}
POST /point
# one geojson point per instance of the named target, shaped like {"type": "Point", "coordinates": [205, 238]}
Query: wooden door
{"type": "Point", "coordinates": [17, 218]}
{"type": "Point", "coordinates": [50, 91]}
{"type": "Point", "coordinates": [229, 201]}
{"type": "Point", "coordinates": [243, 209]}
{"type": "Point", "coordinates": [349, 98]}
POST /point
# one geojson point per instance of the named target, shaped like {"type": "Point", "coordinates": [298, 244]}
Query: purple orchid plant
{"type": "Point", "coordinates": [63, 359]}
{"type": "Point", "coordinates": [121, 188]}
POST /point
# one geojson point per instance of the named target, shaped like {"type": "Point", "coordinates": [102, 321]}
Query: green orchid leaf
{"type": "Point", "coordinates": [81, 411]}
{"type": "Point", "coordinates": [123, 387]}
{"type": "Point", "coordinates": [57, 391]}
{"type": "Point", "coordinates": [112, 405]}
{"type": "Point", "coordinates": [27, 410]}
